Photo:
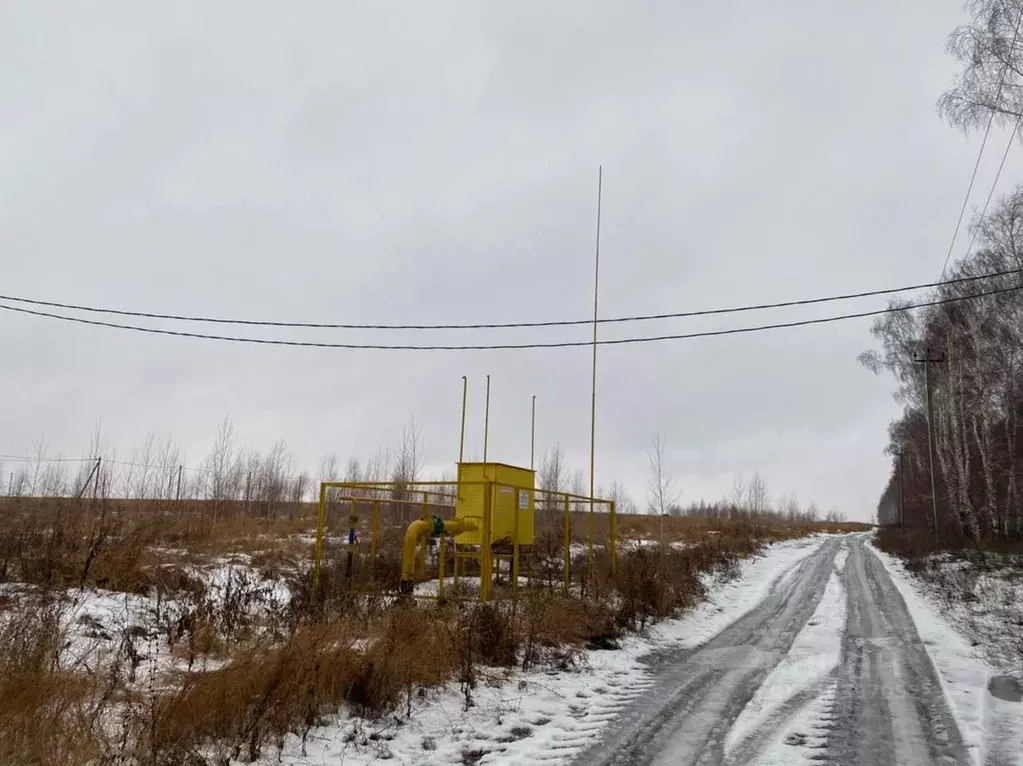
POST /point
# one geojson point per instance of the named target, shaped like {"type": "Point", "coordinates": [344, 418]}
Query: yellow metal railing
{"type": "Point", "coordinates": [425, 491]}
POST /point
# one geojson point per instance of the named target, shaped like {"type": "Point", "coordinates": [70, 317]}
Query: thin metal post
{"type": "Point", "coordinates": [376, 524]}
{"type": "Point", "coordinates": [532, 436]}
{"type": "Point", "coordinates": [568, 545]}
{"type": "Point", "coordinates": [353, 519]}
{"type": "Point", "coordinates": [486, 555]}
{"type": "Point", "coordinates": [465, 396]}
{"type": "Point", "coordinates": [321, 519]}
{"type": "Point", "coordinates": [515, 549]}
{"type": "Point", "coordinates": [486, 422]}
{"type": "Point", "coordinates": [593, 390]}
{"type": "Point", "coordinates": [441, 546]}
{"type": "Point", "coordinates": [455, 565]}
{"type": "Point", "coordinates": [614, 538]}
{"type": "Point", "coordinates": [178, 494]}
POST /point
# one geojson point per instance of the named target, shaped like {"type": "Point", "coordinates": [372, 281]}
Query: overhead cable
{"type": "Point", "coordinates": [507, 325]}
{"type": "Point", "coordinates": [513, 346]}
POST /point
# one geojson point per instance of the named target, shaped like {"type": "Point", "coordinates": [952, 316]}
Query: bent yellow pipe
{"type": "Point", "coordinates": [420, 531]}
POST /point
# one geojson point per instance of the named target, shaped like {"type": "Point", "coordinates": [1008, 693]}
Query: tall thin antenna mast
{"type": "Point", "coordinates": [593, 396]}
{"type": "Point", "coordinates": [486, 422]}
{"type": "Point", "coordinates": [465, 396]}
{"type": "Point", "coordinates": [532, 437]}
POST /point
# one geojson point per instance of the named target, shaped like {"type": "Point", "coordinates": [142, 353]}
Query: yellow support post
{"type": "Point", "coordinates": [589, 543]}
{"type": "Point", "coordinates": [321, 520]}
{"type": "Point", "coordinates": [376, 524]}
{"type": "Point", "coordinates": [455, 564]}
{"type": "Point", "coordinates": [614, 539]}
{"type": "Point", "coordinates": [486, 557]}
{"type": "Point", "coordinates": [515, 553]}
{"type": "Point", "coordinates": [441, 546]}
{"type": "Point", "coordinates": [568, 545]}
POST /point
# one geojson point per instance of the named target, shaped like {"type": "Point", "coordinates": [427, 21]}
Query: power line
{"type": "Point", "coordinates": [994, 184]}
{"type": "Point", "coordinates": [154, 466]}
{"type": "Point", "coordinates": [509, 325]}
{"type": "Point", "coordinates": [513, 346]}
{"type": "Point", "coordinates": [23, 459]}
{"type": "Point", "coordinates": [983, 143]}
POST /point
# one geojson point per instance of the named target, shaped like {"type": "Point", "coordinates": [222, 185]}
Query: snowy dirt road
{"type": "Point", "coordinates": [828, 668]}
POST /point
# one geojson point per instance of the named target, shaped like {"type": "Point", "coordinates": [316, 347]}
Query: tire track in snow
{"type": "Point", "coordinates": [699, 693]}
{"type": "Point", "coordinates": [890, 705]}
{"type": "Point", "coordinates": [775, 715]}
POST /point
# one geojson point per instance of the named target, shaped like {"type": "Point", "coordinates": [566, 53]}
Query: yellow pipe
{"type": "Point", "coordinates": [420, 530]}
{"type": "Point", "coordinates": [416, 530]}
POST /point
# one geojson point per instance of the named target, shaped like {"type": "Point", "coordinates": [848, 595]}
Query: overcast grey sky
{"type": "Point", "coordinates": [437, 162]}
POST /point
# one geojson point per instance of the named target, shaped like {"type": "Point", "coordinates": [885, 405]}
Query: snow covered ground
{"type": "Point", "coordinates": [989, 723]}
{"type": "Point", "coordinates": [797, 713]}
{"type": "Point", "coordinates": [804, 681]}
{"type": "Point", "coordinates": [541, 716]}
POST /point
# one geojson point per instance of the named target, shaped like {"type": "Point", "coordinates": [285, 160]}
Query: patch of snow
{"type": "Point", "coordinates": [233, 574]}
{"type": "Point", "coordinates": [804, 671]}
{"type": "Point", "coordinates": [840, 558]}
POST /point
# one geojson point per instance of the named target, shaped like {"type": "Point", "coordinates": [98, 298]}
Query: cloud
{"type": "Point", "coordinates": [356, 163]}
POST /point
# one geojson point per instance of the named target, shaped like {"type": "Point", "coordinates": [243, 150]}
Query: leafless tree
{"type": "Point", "coordinates": [738, 496]}
{"type": "Point", "coordinates": [579, 488]}
{"type": "Point", "coordinates": [407, 467]}
{"type": "Point", "coordinates": [553, 475]}
{"type": "Point", "coordinates": [222, 468]}
{"type": "Point", "coordinates": [618, 493]}
{"type": "Point", "coordinates": [976, 392]}
{"type": "Point", "coordinates": [990, 80]}
{"type": "Point", "coordinates": [756, 495]}
{"type": "Point", "coordinates": [662, 494]}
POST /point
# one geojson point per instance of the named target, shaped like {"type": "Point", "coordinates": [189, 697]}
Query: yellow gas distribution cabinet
{"type": "Point", "coordinates": [511, 491]}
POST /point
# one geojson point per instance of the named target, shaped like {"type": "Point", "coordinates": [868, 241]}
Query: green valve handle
{"type": "Point", "coordinates": [438, 526]}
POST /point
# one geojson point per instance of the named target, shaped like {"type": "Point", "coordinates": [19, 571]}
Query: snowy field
{"type": "Point", "coordinates": [544, 717]}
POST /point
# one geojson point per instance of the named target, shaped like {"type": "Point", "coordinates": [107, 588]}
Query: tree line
{"type": "Point", "coordinates": [978, 342]}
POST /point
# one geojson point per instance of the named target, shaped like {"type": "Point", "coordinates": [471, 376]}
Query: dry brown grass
{"type": "Point", "coordinates": [48, 714]}
{"type": "Point", "coordinates": [277, 688]}
{"type": "Point", "coordinates": [287, 668]}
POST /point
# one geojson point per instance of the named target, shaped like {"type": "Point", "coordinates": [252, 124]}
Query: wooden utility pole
{"type": "Point", "coordinates": [929, 358]}
{"type": "Point", "coordinates": [178, 493]}
{"type": "Point", "coordinates": [93, 472]}
{"type": "Point", "coordinates": [902, 495]}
